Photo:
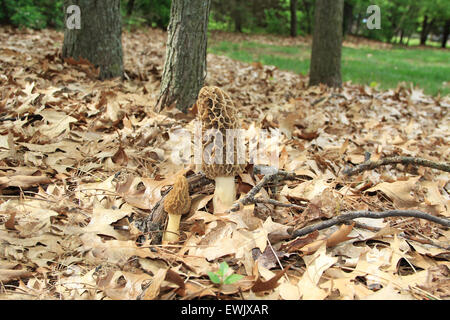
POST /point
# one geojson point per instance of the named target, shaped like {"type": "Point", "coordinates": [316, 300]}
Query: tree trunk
{"type": "Point", "coordinates": [327, 43]}
{"type": "Point", "coordinates": [99, 39]}
{"type": "Point", "coordinates": [358, 24]}
{"type": "Point", "coordinates": [185, 64]}
{"type": "Point", "coordinates": [237, 15]}
{"type": "Point", "coordinates": [445, 33]}
{"type": "Point", "coordinates": [348, 18]}
{"type": "Point", "coordinates": [293, 18]}
{"type": "Point", "coordinates": [402, 35]}
{"type": "Point", "coordinates": [307, 8]}
{"type": "Point", "coordinates": [426, 27]}
{"type": "Point", "coordinates": [130, 7]}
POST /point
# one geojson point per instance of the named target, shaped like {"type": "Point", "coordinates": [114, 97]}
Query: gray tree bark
{"type": "Point", "coordinates": [185, 66]}
{"type": "Point", "coordinates": [293, 7]}
{"type": "Point", "coordinates": [100, 38]}
{"type": "Point", "coordinates": [327, 43]}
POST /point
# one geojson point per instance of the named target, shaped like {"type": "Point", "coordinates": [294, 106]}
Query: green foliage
{"type": "Point", "coordinates": [398, 17]}
{"type": "Point", "coordinates": [39, 14]}
{"type": "Point", "coordinates": [277, 21]}
{"type": "Point", "coordinates": [36, 14]}
{"type": "Point", "coordinates": [140, 13]}
{"type": "Point", "coordinates": [222, 277]}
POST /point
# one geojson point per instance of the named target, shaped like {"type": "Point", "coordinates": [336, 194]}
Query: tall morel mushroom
{"type": "Point", "coordinates": [176, 203]}
{"type": "Point", "coordinates": [218, 114]}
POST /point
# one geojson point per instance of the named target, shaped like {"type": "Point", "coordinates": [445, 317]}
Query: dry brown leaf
{"type": "Point", "coordinates": [23, 182]}
{"type": "Point", "coordinates": [340, 235]}
{"type": "Point", "coordinates": [153, 290]}
{"type": "Point", "coordinates": [7, 275]}
{"type": "Point", "coordinates": [270, 284]}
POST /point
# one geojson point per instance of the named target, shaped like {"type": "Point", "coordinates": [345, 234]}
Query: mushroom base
{"type": "Point", "coordinates": [173, 228]}
{"type": "Point", "coordinates": [224, 194]}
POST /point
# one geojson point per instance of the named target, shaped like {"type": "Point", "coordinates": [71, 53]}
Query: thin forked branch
{"type": "Point", "coordinates": [369, 214]}
{"type": "Point", "coordinates": [369, 165]}
{"type": "Point", "coordinates": [249, 198]}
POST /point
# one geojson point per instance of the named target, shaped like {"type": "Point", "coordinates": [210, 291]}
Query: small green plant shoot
{"type": "Point", "coordinates": [222, 276]}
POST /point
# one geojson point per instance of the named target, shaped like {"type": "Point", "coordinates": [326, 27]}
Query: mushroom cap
{"type": "Point", "coordinates": [178, 200]}
{"type": "Point", "coordinates": [216, 110]}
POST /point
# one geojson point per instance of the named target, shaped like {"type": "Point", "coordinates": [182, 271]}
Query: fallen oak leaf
{"type": "Point", "coordinates": [300, 242]}
{"type": "Point", "coordinates": [153, 290]}
{"type": "Point", "coordinates": [174, 277]}
{"type": "Point", "coordinates": [120, 157]}
{"type": "Point", "coordinates": [23, 181]}
{"type": "Point", "coordinates": [8, 275]}
{"type": "Point", "coordinates": [9, 224]}
{"type": "Point", "coordinates": [340, 235]}
{"type": "Point", "coordinates": [270, 284]}
{"type": "Point", "coordinates": [334, 239]}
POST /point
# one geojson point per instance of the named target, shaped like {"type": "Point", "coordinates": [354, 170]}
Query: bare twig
{"type": "Point", "coordinates": [368, 214]}
{"type": "Point", "coordinates": [369, 165]}
{"type": "Point", "coordinates": [278, 203]}
{"type": "Point", "coordinates": [268, 178]}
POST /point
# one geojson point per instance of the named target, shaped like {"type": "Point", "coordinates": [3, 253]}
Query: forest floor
{"type": "Point", "coordinates": [82, 160]}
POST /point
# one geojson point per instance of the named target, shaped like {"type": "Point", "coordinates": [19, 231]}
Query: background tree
{"type": "Point", "coordinates": [327, 43]}
{"type": "Point", "coordinates": [445, 32]}
{"type": "Point", "coordinates": [293, 7]}
{"type": "Point", "coordinates": [185, 64]}
{"type": "Point", "coordinates": [100, 38]}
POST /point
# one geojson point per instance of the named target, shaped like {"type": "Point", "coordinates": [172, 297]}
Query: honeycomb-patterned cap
{"type": "Point", "coordinates": [177, 200]}
{"type": "Point", "coordinates": [216, 111]}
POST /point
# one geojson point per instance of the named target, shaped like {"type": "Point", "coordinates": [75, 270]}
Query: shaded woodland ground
{"type": "Point", "coordinates": [81, 160]}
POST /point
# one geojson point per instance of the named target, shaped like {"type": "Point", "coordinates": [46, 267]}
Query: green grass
{"type": "Point", "coordinates": [427, 68]}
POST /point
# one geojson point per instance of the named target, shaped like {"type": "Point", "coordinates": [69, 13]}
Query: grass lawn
{"type": "Point", "coordinates": [427, 68]}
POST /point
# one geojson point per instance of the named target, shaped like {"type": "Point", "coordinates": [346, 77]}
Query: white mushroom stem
{"type": "Point", "coordinates": [224, 194]}
{"type": "Point", "coordinates": [173, 228]}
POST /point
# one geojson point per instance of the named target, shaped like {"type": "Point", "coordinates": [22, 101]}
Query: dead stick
{"type": "Point", "coordinates": [278, 203]}
{"type": "Point", "coordinates": [270, 177]}
{"type": "Point", "coordinates": [369, 214]}
{"type": "Point", "coordinates": [369, 165]}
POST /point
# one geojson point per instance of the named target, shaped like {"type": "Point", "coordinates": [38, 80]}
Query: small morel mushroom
{"type": "Point", "coordinates": [217, 113]}
{"type": "Point", "coordinates": [176, 203]}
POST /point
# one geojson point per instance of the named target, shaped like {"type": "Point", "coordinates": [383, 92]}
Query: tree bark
{"type": "Point", "coordinates": [185, 64]}
{"type": "Point", "coordinates": [426, 27]}
{"type": "Point", "coordinates": [293, 7]}
{"type": "Point", "coordinates": [327, 43]}
{"type": "Point", "coordinates": [348, 18]}
{"type": "Point", "coordinates": [402, 35]}
{"type": "Point", "coordinates": [237, 15]}
{"type": "Point", "coordinates": [307, 8]}
{"type": "Point", "coordinates": [130, 7]}
{"type": "Point", "coordinates": [100, 38]}
{"type": "Point", "coordinates": [445, 33]}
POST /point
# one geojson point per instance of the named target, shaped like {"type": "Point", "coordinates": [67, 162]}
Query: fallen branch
{"type": "Point", "coordinates": [368, 214]}
{"type": "Point", "coordinates": [369, 165]}
{"type": "Point", "coordinates": [278, 203]}
{"type": "Point", "coordinates": [271, 176]}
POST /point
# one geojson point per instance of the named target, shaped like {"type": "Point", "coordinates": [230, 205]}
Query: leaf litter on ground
{"type": "Point", "coordinates": [80, 160]}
